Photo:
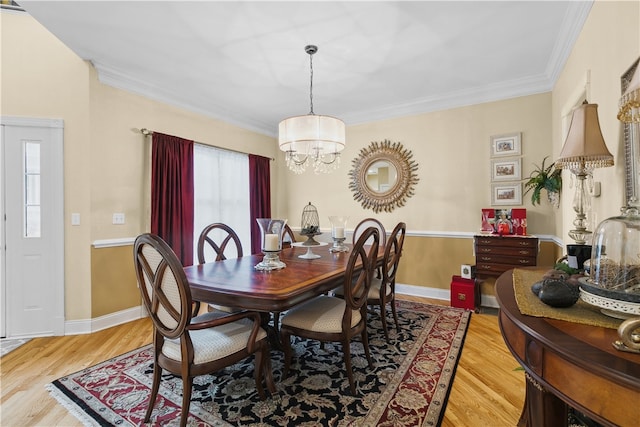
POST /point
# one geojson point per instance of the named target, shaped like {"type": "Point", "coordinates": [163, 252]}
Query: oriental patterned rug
{"type": "Point", "coordinates": [408, 386]}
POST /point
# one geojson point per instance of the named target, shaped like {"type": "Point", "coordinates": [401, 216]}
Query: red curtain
{"type": "Point", "coordinates": [172, 195]}
{"type": "Point", "coordinates": [259, 196]}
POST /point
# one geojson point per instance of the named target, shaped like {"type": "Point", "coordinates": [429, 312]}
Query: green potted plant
{"type": "Point", "coordinates": [545, 178]}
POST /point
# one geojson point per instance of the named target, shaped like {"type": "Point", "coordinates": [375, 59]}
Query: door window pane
{"type": "Point", "coordinates": [31, 197]}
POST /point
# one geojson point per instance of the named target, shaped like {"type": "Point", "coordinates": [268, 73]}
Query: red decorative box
{"type": "Point", "coordinates": [514, 221]}
{"type": "Point", "coordinates": [465, 293]}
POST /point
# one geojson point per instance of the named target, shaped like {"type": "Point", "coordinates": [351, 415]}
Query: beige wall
{"type": "Point", "coordinates": [106, 168]}
{"type": "Point", "coordinates": [608, 44]}
{"type": "Point", "coordinates": [452, 150]}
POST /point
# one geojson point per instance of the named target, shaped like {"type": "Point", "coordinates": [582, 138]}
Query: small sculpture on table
{"type": "Point", "coordinates": [271, 231]}
{"type": "Point", "coordinates": [310, 227]}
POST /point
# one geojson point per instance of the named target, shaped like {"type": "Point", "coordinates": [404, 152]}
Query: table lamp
{"type": "Point", "coordinates": [583, 150]}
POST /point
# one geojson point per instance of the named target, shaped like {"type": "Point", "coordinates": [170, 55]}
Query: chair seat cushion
{"type": "Point", "coordinates": [374, 290]}
{"type": "Point", "coordinates": [321, 314]}
{"type": "Point", "coordinates": [214, 343]}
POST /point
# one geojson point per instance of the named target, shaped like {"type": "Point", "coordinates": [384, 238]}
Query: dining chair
{"type": "Point", "coordinates": [215, 243]}
{"type": "Point", "coordinates": [371, 222]}
{"type": "Point", "coordinates": [383, 289]}
{"type": "Point", "coordinates": [189, 346]}
{"type": "Point", "coordinates": [331, 319]}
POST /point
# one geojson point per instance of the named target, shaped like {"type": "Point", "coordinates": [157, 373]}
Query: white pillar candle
{"type": "Point", "coordinates": [271, 242]}
{"type": "Point", "coordinates": [338, 232]}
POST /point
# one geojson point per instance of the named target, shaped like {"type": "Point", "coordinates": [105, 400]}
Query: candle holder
{"type": "Point", "coordinates": [338, 227]}
{"type": "Point", "coordinates": [271, 232]}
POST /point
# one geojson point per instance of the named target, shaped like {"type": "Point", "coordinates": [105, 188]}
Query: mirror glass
{"type": "Point", "coordinates": [383, 176]}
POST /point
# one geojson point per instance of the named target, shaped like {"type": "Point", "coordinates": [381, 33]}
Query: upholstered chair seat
{"type": "Point", "coordinates": [214, 343]}
{"type": "Point", "coordinates": [321, 314]}
{"type": "Point", "coordinates": [376, 284]}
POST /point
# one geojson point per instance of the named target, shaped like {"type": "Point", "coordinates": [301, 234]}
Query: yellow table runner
{"type": "Point", "coordinates": [530, 305]}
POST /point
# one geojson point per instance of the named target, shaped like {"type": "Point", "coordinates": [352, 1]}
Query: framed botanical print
{"type": "Point", "coordinates": [506, 145]}
{"type": "Point", "coordinates": [506, 169]}
{"type": "Point", "coordinates": [508, 193]}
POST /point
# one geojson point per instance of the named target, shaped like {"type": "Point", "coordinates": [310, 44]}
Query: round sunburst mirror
{"type": "Point", "coordinates": [383, 176]}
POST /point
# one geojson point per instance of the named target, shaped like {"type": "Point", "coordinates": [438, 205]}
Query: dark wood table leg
{"type": "Point", "coordinates": [541, 408]}
{"type": "Point", "coordinates": [273, 330]}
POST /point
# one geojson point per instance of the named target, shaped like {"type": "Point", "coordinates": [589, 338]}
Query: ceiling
{"type": "Point", "coordinates": [244, 61]}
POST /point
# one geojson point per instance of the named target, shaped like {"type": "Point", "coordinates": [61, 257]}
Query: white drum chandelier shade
{"type": "Point", "coordinates": [312, 139]}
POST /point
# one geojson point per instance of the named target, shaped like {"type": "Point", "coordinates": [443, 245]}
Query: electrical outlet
{"type": "Point", "coordinates": [118, 218]}
{"type": "Point", "coordinates": [75, 219]}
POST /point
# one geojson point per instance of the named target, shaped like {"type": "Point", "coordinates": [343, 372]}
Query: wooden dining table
{"type": "Point", "coordinates": [235, 282]}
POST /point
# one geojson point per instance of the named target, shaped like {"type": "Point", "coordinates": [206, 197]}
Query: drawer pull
{"type": "Point", "coordinates": [485, 250]}
{"type": "Point", "coordinates": [485, 242]}
{"type": "Point", "coordinates": [485, 258]}
{"type": "Point", "coordinates": [523, 261]}
{"type": "Point", "coordinates": [523, 243]}
{"type": "Point", "coordinates": [486, 267]}
{"type": "Point", "coordinates": [524, 252]}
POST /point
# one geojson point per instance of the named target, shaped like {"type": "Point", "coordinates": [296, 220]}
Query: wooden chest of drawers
{"type": "Point", "coordinates": [496, 254]}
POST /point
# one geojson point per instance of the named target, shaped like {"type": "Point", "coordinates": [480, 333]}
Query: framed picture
{"type": "Point", "coordinates": [506, 145]}
{"type": "Point", "coordinates": [506, 169]}
{"type": "Point", "coordinates": [509, 193]}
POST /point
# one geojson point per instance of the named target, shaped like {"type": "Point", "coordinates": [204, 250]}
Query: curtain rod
{"type": "Point", "coordinates": [147, 132]}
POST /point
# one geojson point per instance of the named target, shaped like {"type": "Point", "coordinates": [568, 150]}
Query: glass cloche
{"type": "Point", "coordinates": [614, 268]}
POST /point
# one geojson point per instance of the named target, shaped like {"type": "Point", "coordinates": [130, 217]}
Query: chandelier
{"type": "Point", "coordinates": [312, 139]}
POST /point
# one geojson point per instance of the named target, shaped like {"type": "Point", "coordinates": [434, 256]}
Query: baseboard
{"type": "Point", "coordinates": [79, 327]}
{"type": "Point", "coordinates": [440, 294]}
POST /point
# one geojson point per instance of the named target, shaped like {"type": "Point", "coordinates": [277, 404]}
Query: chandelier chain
{"type": "Point", "coordinates": [311, 81]}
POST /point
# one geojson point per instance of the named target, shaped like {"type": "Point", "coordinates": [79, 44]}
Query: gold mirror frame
{"type": "Point", "coordinates": [403, 187]}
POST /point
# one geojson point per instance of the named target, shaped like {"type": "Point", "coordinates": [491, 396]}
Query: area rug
{"type": "Point", "coordinates": [408, 386]}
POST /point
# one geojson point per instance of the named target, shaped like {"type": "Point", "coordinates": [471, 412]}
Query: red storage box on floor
{"type": "Point", "coordinates": [465, 293]}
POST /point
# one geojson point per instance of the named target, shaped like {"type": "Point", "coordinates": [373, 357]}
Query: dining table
{"type": "Point", "coordinates": [236, 282]}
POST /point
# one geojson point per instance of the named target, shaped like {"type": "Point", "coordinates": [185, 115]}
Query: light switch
{"type": "Point", "coordinates": [118, 218]}
{"type": "Point", "coordinates": [75, 219]}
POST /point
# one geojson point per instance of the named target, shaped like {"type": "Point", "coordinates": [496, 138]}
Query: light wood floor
{"type": "Point", "coordinates": [487, 390]}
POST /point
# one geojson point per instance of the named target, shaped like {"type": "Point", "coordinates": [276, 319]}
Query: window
{"type": "Point", "coordinates": [221, 193]}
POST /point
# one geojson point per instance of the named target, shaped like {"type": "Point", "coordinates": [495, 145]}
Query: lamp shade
{"type": "Point", "coordinates": [584, 147]}
{"type": "Point", "coordinates": [311, 133]}
{"type": "Point", "coordinates": [630, 101]}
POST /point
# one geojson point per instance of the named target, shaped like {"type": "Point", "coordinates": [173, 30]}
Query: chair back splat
{"type": "Point", "coordinates": [288, 237]}
{"type": "Point", "coordinates": [207, 240]}
{"type": "Point", "coordinates": [366, 223]}
{"type": "Point", "coordinates": [185, 345]}
{"type": "Point", "coordinates": [217, 240]}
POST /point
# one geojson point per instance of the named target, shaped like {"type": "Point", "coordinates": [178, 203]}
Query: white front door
{"type": "Point", "coordinates": [32, 297]}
